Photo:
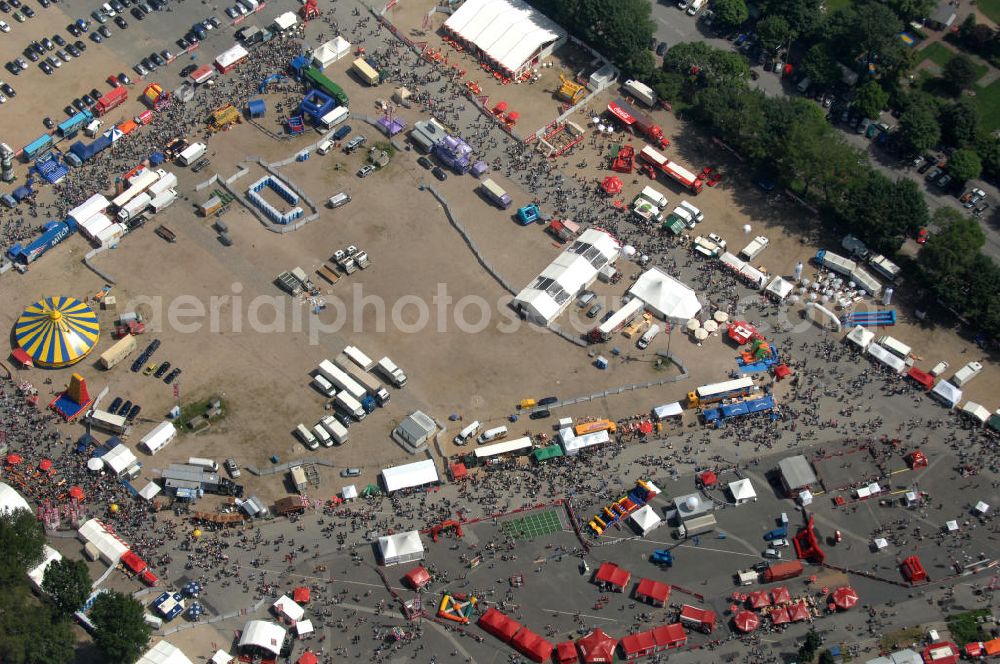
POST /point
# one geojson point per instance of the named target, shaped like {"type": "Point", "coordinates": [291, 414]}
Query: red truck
{"type": "Point", "coordinates": [783, 571]}
{"type": "Point", "coordinates": [660, 163]}
{"type": "Point", "coordinates": [113, 99]}
{"type": "Point", "coordinates": [639, 121]}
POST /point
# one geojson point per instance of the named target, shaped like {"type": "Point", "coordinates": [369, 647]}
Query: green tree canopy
{"type": "Point", "coordinates": [960, 72]}
{"type": "Point", "coordinates": [820, 65]}
{"type": "Point", "coordinates": [883, 212]}
{"type": "Point", "coordinates": [988, 149]}
{"type": "Point", "coordinates": [68, 583]}
{"type": "Point", "coordinates": [804, 16]}
{"type": "Point", "coordinates": [871, 99]}
{"type": "Point", "coordinates": [21, 540]}
{"type": "Point", "coordinates": [965, 165]}
{"type": "Point", "coordinates": [704, 65]}
{"type": "Point", "coordinates": [919, 129]}
{"type": "Point", "coordinates": [774, 32]}
{"type": "Point", "coordinates": [122, 633]}
{"type": "Point", "coordinates": [732, 13]}
{"type": "Point", "coordinates": [868, 29]}
{"type": "Point", "coordinates": [911, 10]}
{"type": "Point", "coordinates": [32, 633]}
{"type": "Point", "coordinates": [960, 123]}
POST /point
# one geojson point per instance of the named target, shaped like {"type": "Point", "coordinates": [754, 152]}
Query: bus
{"type": "Point", "coordinates": [495, 193]}
{"type": "Point", "coordinates": [69, 127]}
{"type": "Point", "coordinates": [516, 447]}
{"type": "Point", "coordinates": [319, 81]}
{"type": "Point", "coordinates": [705, 394]}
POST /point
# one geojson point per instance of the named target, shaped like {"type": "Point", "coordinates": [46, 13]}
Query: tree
{"type": "Point", "coordinates": [988, 149]}
{"type": "Point", "coordinates": [32, 633]}
{"type": "Point", "coordinates": [919, 129]}
{"type": "Point", "coordinates": [960, 72]}
{"type": "Point", "coordinates": [909, 10]}
{"type": "Point", "coordinates": [736, 114]}
{"type": "Point", "coordinates": [21, 541]}
{"type": "Point", "coordinates": [68, 583]}
{"type": "Point", "coordinates": [804, 16]}
{"type": "Point", "coordinates": [733, 13]}
{"type": "Point", "coordinates": [960, 123]}
{"type": "Point", "coordinates": [965, 165]}
{"type": "Point", "coordinates": [810, 645]}
{"type": "Point", "coordinates": [826, 658]}
{"type": "Point", "coordinates": [122, 633]}
{"type": "Point", "coordinates": [869, 29]}
{"type": "Point", "coordinates": [703, 65]}
{"type": "Point", "coordinates": [773, 31]}
{"type": "Point", "coordinates": [820, 66]}
{"type": "Point", "coordinates": [871, 99]}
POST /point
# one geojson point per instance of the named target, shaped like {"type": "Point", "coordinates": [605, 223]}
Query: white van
{"type": "Point", "coordinates": [204, 463]}
{"type": "Point", "coordinates": [324, 386]}
{"type": "Point", "coordinates": [324, 147]}
{"type": "Point", "coordinates": [468, 432]}
{"type": "Point", "coordinates": [648, 336]}
{"type": "Point", "coordinates": [492, 434]}
{"type": "Point", "coordinates": [305, 435]}
{"type": "Point", "coordinates": [343, 198]}
{"type": "Point", "coordinates": [696, 214]}
{"type": "Point", "coordinates": [323, 435]}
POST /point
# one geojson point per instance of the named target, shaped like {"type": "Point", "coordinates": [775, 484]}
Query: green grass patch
{"type": "Point", "coordinates": [532, 526]}
{"type": "Point", "coordinates": [902, 638]}
{"type": "Point", "coordinates": [834, 5]}
{"type": "Point", "coordinates": [200, 407]}
{"type": "Point", "coordinates": [991, 8]}
{"type": "Point", "coordinates": [988, 102]}
{"type": "Point", "coordinates": [964, 627]}
{"type": "Point", "coordinates": [937, 53]}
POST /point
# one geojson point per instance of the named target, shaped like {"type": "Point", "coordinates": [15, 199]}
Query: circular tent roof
{"type": "Point", "coordinates": [11, 500]}
{"type": "Point", "coordinates": [57, 331]}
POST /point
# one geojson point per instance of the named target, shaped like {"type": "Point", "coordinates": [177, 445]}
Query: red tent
{"type": "Point", "coordinates": [566, 653]}
{"type": "Point", "coordinates": [22, 357]}
{"type": "Point", "coordinates": [974, 649]}
{"type": "Point", "coordinates": [532, 646]}
{"type": "Point", "coordinates": [654, 592]}
{"type": "Point", "coordinates": [498, 624]}
{"type": "Point", "coordinates": [642, 644]}
{"type": "Point", "coordinates": [942, 652]}
{"type": "Point", "coordinates": [798, 612]}
{"type": "Point", "coordinates": [597, 647]}
{"type": "Point", "coordinates": [781, 595]}
{"type": "Point", "coordinates": [845, 597]}
{"type": "Point", "coordinates": [780, 616]}
{"type": "Point", "coordinates": [916, 459]}
{"type": "Point", "coordinates": [613, 575]}
{"type": "Point", "coordinates": [136, 564]}
{"type": "Point", "coordinates": [418, 577]}
{"type": "Point", "coordinates": [301, 595]}
{"type": "Point", "coordinates": [76, 492]}
{"type": "Point", "coordinates": [14, 459]}
{"type": "Point", "coordinates": [921, 377]}
{"type": "Point", "coordinates": [669, 636]}
{"type": "Point", "coordinates": [612, 185]}
{"type": "Point", "coordinates": [782, 371]}
{"type": "Point", "coordinates": [308, 658]}
{"type": "Point", "coordinates": [708, 478]}
{"type": "Point", "coordinates": [697, 618]}
{"type": "Point", "coordinates": [759, 599]}
{"type": "Point", "coordinates": [746, 621]}
{"type": "Point", "coordinates": [45, 466]}
{"type": "Point", "coordinates": [459, 471]}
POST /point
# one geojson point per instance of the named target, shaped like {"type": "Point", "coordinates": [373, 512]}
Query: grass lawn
{"type": "Point", "coordinates": [940, 55]}
{"type": "Point", "coordinates": [834, 5]}
{"type": "Point", "coordinates": [964, 628]}
{"type": "Point", "coordinates": [991, 8]}
{"type": "Point", "coordinates": [988, 102]}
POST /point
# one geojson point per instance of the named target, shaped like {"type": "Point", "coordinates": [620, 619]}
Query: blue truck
{"type": "Point", "coordinates": [662, 557]}
{"type": "Point", "coordinates": [53, 233]}
{"type": "Point", "coordinates": [777, 533]}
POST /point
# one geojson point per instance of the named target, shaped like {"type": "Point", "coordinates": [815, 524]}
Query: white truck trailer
{"type": "Point", "coordinates": [340, 379]}
{"type": "Point", "coordinates": [337, 430]}
{"type": "Point", "coordinates": [366, 380]}
{"type": "Point", "coordinates": [350, 405]}
{"type": "Point", "coordinates": [752, 250]}
{"type": "Point", "coordinates": [391, 372]}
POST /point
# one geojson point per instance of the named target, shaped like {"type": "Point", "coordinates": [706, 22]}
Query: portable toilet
{"type": "Point", "coordinates": [601, 362]}
{"type": "Point", "coordinates": [256, 108]}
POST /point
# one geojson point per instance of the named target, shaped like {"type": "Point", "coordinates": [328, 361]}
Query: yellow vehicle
{"type": "Point", "coordinates": [595, 426]}
{"type": "Point", "coordinates": [150, 368]}
{"type": "Point", "coordinates": [223, 117]}
{"type": "Point", "coordinates": [570, 90]}
{"type": "Point", "coordinates": [526, 404]}
{"type": "Point", "coordinates": [638, 326]}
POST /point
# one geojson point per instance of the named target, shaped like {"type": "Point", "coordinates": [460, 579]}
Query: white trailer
{"type": "Point", "coordinates": [324, 387]}
{"type": "Point", "coordinates": [351, 405]}
{"type": "Point", "coordinates": [391, 372]}
{"type": "Point", "coordinates": [835, 262]}
{"type": "Point", "coordinates": [359, 358]}
{"type": "Point", "coordinates": [337, 430]}
{"type": "Point", "coordinates": [654, 197]}
{"type": "Point", "coordinates": [366, 380]}
{"type": "Point", "coordinates": [191, 154]}
{"type": "Point", "coordinates": [752, 250]}
{"type": "Point", "coordinates": [967, 373]}
{"type": "Point", "coordinates": [158, 437]}
{"type": "Point", "coordinates": [134, 206]}
{"type": "Point", "coordinates": [641, 92]}
{"type": "Point", "coordinates": [884, 267]}
{"type": "Point", "coordinates": [341, 379]}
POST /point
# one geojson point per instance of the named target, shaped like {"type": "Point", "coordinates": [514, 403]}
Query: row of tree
{"type": "Point", "coordinates": [38, 630]}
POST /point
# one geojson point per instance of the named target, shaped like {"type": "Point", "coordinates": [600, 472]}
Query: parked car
{"type": "Point", "coordinates": [138, 13]}
{"type": "Point", "coordinates": [105, 31]}
{"type": "Point", "coordinates": [342, 133]}
{"type": "Point", "coordinates": [540, 414]}
{"type": "Point", "coordinates": [88, 100]}
{"type": "Point", "coordinates": [933, 174]}
{"type": "Point", "coordinates": [172, 376]}
{"type": "Point", "coordinates": [162, 369]}
{"type": "Point", "coordinates": [594, 310]}
{"type": "Point", "coordinates": [232, 468]}
{"type": "Point", "coordinates": [661, 48]}
{"type": "Point", "coordinates": [80, 44]}
{"type": "Point", "coordinates": [439, 173]}
{"type": "Point", "coordinates": [58, 40]}
{"type": "Point", "coordinates": [922, 236]}
{"type": "Point", "coordinates": [944, 181]}
{"type": "Point", "coordinates": [134, 412]}
{"type": "Point", "coordinates": [121, 23]}
{"type": "Point", "coordinates": [48, 123]}
{"type": "Point", "coordinates": [96, 37]}
{"type": "Point", "coordinates": [126, 407]}
{"type": "Point", "coordinates": [73, 50]}
{"type": "Point", "coordinates": [115, 405]}
{"type": "Point", "coordinates": [425, 162]}
{"type": "Point", "coordinates": [28, 11]}
{"type": "Point", "coordinates": [124, 79]}
{"type": "Point", "coordinates": [350, 472]}
{"type": "Point", "coordinates": [366, 170]}
{"type": "Point", "coordinates": [44, 66]}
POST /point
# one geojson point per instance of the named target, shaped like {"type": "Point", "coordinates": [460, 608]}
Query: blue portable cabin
{"type": "Point", "coordinates": [37, 146]}
{"type": "Point", "coordinates": [256, 108]}
{"type": "Point", "coordinates": [68, 128]}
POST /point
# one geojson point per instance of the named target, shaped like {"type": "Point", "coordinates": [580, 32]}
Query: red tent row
{"type": "Point", "coordinates": [702, 619]}
{"type": "Point", "coordinates": [532, 646]}
{"type": "Point", "coordinates": [597, 647]}
{"type": "Point", "coordinates": [566, 653]}
{"type": "Point", "coordinates": [759, 599]}
{"type": "Point", "coordinates": [499, 625]}
{"type": "Point", "coordinates": [659, 638]}
{"type": "Point", "coordinates": [780, 616]}
{"type": "Point", "coordinates": [781, 595]}
{"type": "Point", "coordinates": [653, 592]}
{"type": "Point", "coordinates": [798, 612]}
{"type": "Point", "coordinates": [613, 575]}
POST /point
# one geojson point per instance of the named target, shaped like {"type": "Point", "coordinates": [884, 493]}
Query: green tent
{"type": "Point", "coordinates": [994, 422]}
{"type": "Point", "coordinates": [546, 453]}
{"type": "Point", "coordinates": [674, 223]}
{"type": "Point", "coordinates": [371, 490]}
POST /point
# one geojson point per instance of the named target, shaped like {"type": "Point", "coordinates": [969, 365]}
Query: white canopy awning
{"type": "Point", "coordinates": [263, 634]}
{"type": "Point", "coordinates": [861, 337]}
{"type": "Point", "coordinates": [410, 475]}
{"type": "Point", "coordinates": [668, 410]}
{"type": "Point", "coordinates": [886, 358]}
{"type": "Point", "coordinates": [667, 297]}
{"type": "Point", "coordinates": [303, 627]}
{"type": "Point", "coordinates": [947, 393]}
{"type": "Point", "coordinates": [286, 606]}
{"type": "Point", "coordinates": [150, 490]}
{"type": "Point", "coordinates": [400, 547]}
{"type": "Point", "coordinates": [221, 657]}
{"type": "Point", "coordinates": [780, 288]}
{"type": "Point", "coordinates": [742, 491]}
{"type": "Point", "coordinates": [119, 459]}
{"type": "Point", "coordinates": [645, 519]}
{"type": "Point", "coordinates": [976, 411]}
{"type": "Point", "coordinates": [164, 653]}
{"type": "Point", "coordinates": [349, 492]}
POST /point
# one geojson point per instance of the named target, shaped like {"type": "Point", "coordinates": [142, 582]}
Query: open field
{"type": "Point", "coordinates": [991, 8]}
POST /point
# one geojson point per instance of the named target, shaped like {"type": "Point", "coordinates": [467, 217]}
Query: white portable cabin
{"type": "Point", "coordinates": [159, 437]}
{"type": "Point", "coordinates": [894, 346]}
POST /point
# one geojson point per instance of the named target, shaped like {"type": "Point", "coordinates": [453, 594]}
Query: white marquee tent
{"type": "Point", "coordinates": [861, 337]}
{"type": "Point", "coordinates": [11, 500]}
{"type": "Point", "coordinates": [976, 411]}
{"type": "Point", "coordinates": [286, 606]}
{"type": "Point", "coordinates": [419, 473]}
{"type": "Point", "coordinates": [164, 653]}
{"type": "Point", "coordinates": [37, 573]}
{"type": "Point", "coordinates": [264, 635]}
{"type": "Point", "coordinates": [780, 288]}
{"type": "Point", "coordinates": [947, 393]}
{"type": "Point", "coordinates": [742, 491]}
{"type": "Point", "coordinates": [509, 34]}
{"type": "Point", "coordinates": [400, 548]}
{"type": "Point", "coordinates": [886, 358]}
{"type": "Point", "coordinates": [110, 546]}
{"type": "Point", "coordinates": [119, 460]}
{"type": "Point", "coordinates": [330, 52]}
{"type": "Point", "coordinates": [646, 520]}
{"type": "Point", "coordinates": [665, 296]}
{"type": "Point", "coordinates": [574, 269]}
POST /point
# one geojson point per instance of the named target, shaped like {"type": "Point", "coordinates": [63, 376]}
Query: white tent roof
{"type": "Point", "coordinates": [574, 269]}
{"type": "Point", "coordinates": [331, 51]}
{"type": "Point", "coordinates": [286, 606]}
{"type": "Point", "coordinates": [349, 492]}
{"type": "Point", "coordinates": [263, 634]}
{"type": "Point", "coordinates": [780, 288]}
{"type": "Point", "coordinates": [742, 490]}
{"type": "Point", "coordinates": [947, 392]}
{"type": "Point", "coordinates": [886, 358]}
{"type": "Point", "coordinates": [90, 207]}
{"type": "Point", "coordinates": [409, 475]}
{"type": "Point", "coordinates": [231, 55]}
{"type": "Point", "coordinates": [668, 410]}
{"type": "Point", "coordinates": [573, 444]}
{"type": "Point", "coordinates": [666, 296]}
{"type": "Point", "coordinates": [109, 545]}
{"type": "Point", "coordinates": [973, 409]}
{"type": "Point", "coordinates": [286, 20]}
{"type": "Point", "coordinates": [11, 500]}
{"type": "Point", "coordinates": [119, 459]}
{"type": "Point", "coordinates": [860, 336]}
{"type": "Point", "coordinates": [37, 573]}
{"type": "Point", "coordinates": [150, 490]}
{"type": "Point", "coordinates": [509, 32]}
{"type": "Point", "coordinates": [646, 519]}
{"type": "Point", "coordinates": [400, 545]}
{"type": "Point", "coordinates": [221, 657]}
{"type": "Point", "coordinates": [303, 627]}
{"type": "Point", "coordinates": [164, 653]}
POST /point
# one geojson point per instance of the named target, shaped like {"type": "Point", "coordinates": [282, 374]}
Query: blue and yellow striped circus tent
{"type": "Point", "coordinates": [57, 331]}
